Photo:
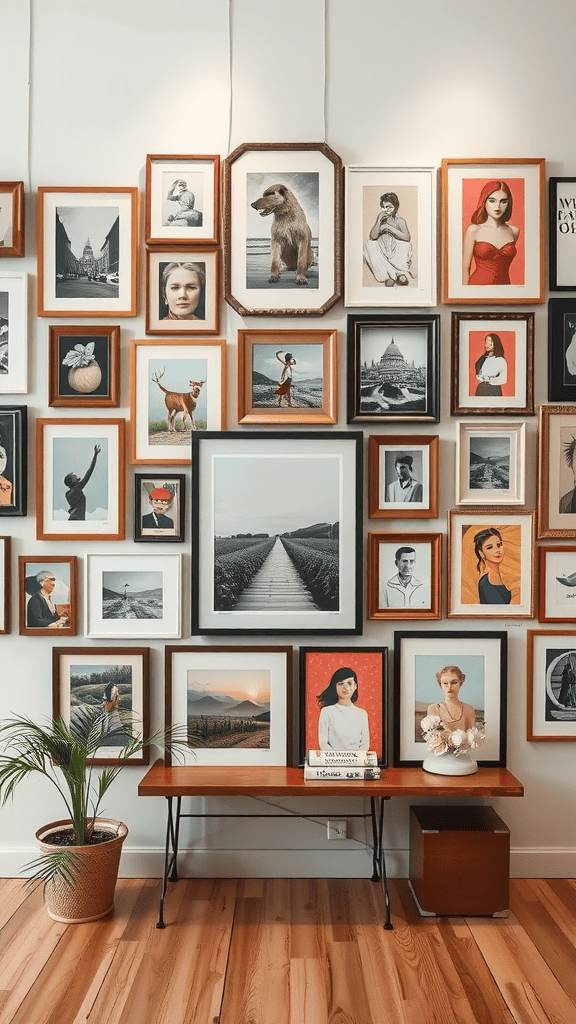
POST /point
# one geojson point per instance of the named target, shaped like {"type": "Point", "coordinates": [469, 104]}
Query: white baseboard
{"type": "Point", "coordinates": [138, 862]}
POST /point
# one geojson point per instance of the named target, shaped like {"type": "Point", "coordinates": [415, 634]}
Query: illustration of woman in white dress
{"type": "Point", "coordinates": [388, 249]}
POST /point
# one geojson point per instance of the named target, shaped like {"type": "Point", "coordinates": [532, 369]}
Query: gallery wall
{"type": "Point", "coordinates": [93, 90]}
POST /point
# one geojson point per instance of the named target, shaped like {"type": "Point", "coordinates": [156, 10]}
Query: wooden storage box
{"type": "Point", "coordinates": [459, 861]}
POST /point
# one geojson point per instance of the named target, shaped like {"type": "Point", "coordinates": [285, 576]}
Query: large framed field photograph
{"type": "Point", "coordinates": [47, 598]}
{"type": "Point", "coordinates": [491, 564]}
{"type": "Point", "coordinates": [481, 658]}
{"type": "Point", "coordinates": [283, 229]}
{"type": "Point", "coordinates": [182, 200]}
{"type": "Point", "coordinates": [113, 680]}
{"type": "Point", "coordinates": [13, 460]}
{"type": "Point", "coordinates": [133, 596]}
{"type": "Point", "coordinates": [557, 471]}
{"type": "Point", "coordinates": [493, 231]}
{"type": "Point", "coordinates": [276, 533]}
{"type": "Point", "coordinates": [236, 703]}
{"type": "Point", "coordinates": [11, 218]}
{"type": "Point", "coordinates": [390, 257]}
{"type": "Point", "coordinates": [492, 364]}
{"type": "Point", "coordinates": [393, 368]}
{"type": "Point", "coordinates": [13, 333]}
{"type": "Point", "coordinates": [87, 251]}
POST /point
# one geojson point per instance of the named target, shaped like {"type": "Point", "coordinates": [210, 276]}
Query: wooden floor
{"type": "Point", "coordinates": [288, 951]}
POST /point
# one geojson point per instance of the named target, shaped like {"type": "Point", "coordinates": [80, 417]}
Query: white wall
{"type": "Point", "coordinates": [407, 84]}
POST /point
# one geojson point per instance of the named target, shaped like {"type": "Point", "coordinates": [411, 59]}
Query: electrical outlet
{"type": "Point", "coordinates": [336, 829]}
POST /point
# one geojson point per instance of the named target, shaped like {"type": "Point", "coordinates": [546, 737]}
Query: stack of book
{"type": "Point", "coordinates": [342, 764]}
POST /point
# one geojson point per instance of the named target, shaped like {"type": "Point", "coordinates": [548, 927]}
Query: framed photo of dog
{"type": "Point", "coordinates": [283, 229]}
{"type": "Point", "coordinates": [176, 388]}
{"type": "Point", "coordinates": [182, 291]}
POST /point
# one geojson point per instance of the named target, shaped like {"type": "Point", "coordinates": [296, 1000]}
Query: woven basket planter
{"type": "Point", "coordinates": [91, 895]}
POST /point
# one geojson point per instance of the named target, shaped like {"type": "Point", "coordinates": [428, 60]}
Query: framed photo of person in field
{"type": "Point", "coordinates": [276, 536]}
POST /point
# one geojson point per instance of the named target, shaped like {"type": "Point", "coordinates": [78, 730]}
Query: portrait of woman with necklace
{"type": "Point", "coordinates": [452, 711]}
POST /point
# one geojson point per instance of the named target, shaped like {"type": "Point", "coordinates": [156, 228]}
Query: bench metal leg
{"type": "Point", "coordinates": [387, 923]}
{"type": "Point", "coordinates": [170, 855]}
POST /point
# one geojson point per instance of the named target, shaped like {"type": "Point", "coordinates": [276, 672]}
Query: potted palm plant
{"type": "Point", "coordinates": [80, 854]}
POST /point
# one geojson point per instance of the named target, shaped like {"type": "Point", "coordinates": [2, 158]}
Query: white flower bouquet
{"type": "Point", "coordinates": [441, 741]}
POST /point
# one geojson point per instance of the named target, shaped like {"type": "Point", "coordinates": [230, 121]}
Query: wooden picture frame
{"type": "Point", "coordinates": [551, 686]}
{"type": "Point", "coordinates": [133, 596]}
{"type": "Point", "coordinates": [557, 583]}
{"type": "Point", "coordinates": [12, 238]}
{"type": "Point", "coordinates": [403, 477]}
{"type": "Point", "coordinates": [182, 291]}
{"type": "Point", "coordinates": [236, 703]}
{"type": "Point", "coordinates": [390, 270]}
{"type": "Point", "coordinates": [504, 341]}
{"type": "Point", "coordinates": [13, 333]}
{"type": "Point", "coordinates": [404, 576]}
{"type": "Point", "coordinates": [159, 517]}
{"type": "Point", "coordinates": [481, 656]}
{"type": "Point", "coordinates": [556, 475]}
{"type": "Point", "coordinates": [47, 601]}
{"type": "Point", "coordinates": [562, 350]}
{"type": "Point", "coordinates": [491, 258]}
{"type": "Point", "coordinates": [66, 448]}
{"type": "Point", "coordinates": [74, 278]}
{"type": "Point", "coordinates": [13, 460]}
{"type": "Point", "coordinates": [490, 564]}
{"type": "Point", "coordinates": [320, 729]}
{"type": "Point", "coordinates": [304, 363]}
{"type": "Point", "coordinates": [182, 200]}
{"type": "Point", "coordinates": [84, 366]}
{"type": "Point", "coordinates": [393, 368]}
{"type": "Point", "coordinates": [5, 586]}
{"type": "Point", "coordinates": [168, 378]}
{"type": "Point", "coordinates": [562, 245]}
{"type": "Point", "coordinates": [490, 462]}
{"type": "Point", "coordinates": [309, 176]}
{"type": "Point", "coordinates": [114, 679]}
{"type": "Point", "coordinates": [265, 503]}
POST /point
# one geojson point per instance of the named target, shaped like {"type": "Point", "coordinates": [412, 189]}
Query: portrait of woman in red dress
{"type": "Point", "coordinates": [490, 243]}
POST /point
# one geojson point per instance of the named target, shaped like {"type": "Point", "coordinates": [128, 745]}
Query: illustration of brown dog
{"type": "Point", "coordinates": [290, 234]}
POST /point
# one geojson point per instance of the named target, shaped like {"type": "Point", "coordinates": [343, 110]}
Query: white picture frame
{"type": "Point", "coordinates": [490, 462]}
{"type": "Point", "coordinates": [13, 333]}
{"type": "Point", "coordinates": [156, 582]}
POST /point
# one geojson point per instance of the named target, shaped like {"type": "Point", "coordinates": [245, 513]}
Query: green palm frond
{"type": "Point", "coordinates": [57, 866]}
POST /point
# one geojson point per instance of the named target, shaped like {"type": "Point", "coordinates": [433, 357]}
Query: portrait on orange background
{"type": "Point", "coordinates": [490, 558]}
{"type": "Point", "coordinates": [492, 359]}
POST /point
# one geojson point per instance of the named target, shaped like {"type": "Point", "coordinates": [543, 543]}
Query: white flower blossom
{"type": "Point", "coordinates": [80, 355]}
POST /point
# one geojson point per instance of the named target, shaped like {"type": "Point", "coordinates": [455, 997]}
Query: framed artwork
{"type": "Point", "coordinates": [287, 376]}
{"type": "Point", "coordinates": [236, 703]}
{"type": "Point", "coordinates": [13, 460]}
{"type": "Point", "coordinates": [87, 251]}
{"type": "Point", "coordinates": [182, 200]}
{"type": "Point", "coordinates": [562, 210]}
{"type": "Point", "coordinates": [276, 533]}
{"type": "Point", "coordinates": [557, 583]}
{"type": "Point", "coordinates": [551, 705]}
{"type": "Point", "coordinates": [490, 564]}
{"type": "Point", "coordinates": [562, 350]}
{"type": "Point", "coordinates": [490, 462]}
{"type": "Point", "coordinates": [176, 388]}
{"type": "Point", "coordinates": [557, 471]}
{"type": "Point", "coordinates": [133, 596]}
{"type": "Point", "coordinates": [5, 579]}
{"type": "Point", "coordinates": [404, 575]}
{"type": "Point", "coordinates": [419, 658]}
{"type": "Point", "coordinates": [282, 229]}
{"type": "Point", "coordinates": [84, 366]}
{"type": "Point", "coordinates": [393, 368]}
{"type": "Point", "coordinates": [182, 291]}
{"type": "Point", "coordinates": [47, 595]}
{"type": "Point", "coordinates": [344, 700]}
{"type": "Point", "coordinates": [80, 479]}
{"type": "Point", "coordinates": [493, 231]}
{"type": "Point", "coordinates": [402, 477]}
{"type": "Point", "coordinates": [492, 364]}
{"type": "Point", "coordinates": [116, 680]}
{"type": "Point", "coordinates": [159, 507]}
{"type": "Point", "coordinates": [390, 257]}
{"type": "Point", "coordinates": [11, 218]}
{"type": "Point", "coordinates": [13, 333]}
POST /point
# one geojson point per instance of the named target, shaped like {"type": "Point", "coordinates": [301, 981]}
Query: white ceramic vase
{"type": "Point", "coordinates": [450, 763]}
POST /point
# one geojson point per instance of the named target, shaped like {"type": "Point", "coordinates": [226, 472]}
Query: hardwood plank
{"type": "Point", "coordinates": [543, 929]}
{"type": "Point", "coordinates": [347, 997]}
{"type": "Point", "coordinates": [307, 931]}
{"type": "Point", "coordinates": [309, 985]}
{"type": "Point", "coordinates": [13, 894]}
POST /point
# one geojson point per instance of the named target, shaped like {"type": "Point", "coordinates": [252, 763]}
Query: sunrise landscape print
{"type": "Point", "coordinates": [228, 708]}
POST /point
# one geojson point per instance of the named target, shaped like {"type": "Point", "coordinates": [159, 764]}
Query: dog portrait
{"type": "Point", "coordinates": [282, 244]}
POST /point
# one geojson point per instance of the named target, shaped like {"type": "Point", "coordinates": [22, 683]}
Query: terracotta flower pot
{"type": "Point", "coordinates": [91, 895]}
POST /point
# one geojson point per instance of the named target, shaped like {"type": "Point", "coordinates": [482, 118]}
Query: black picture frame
{"type": "Point", "coordinates": [561, 350]}
{"type": "Point", "coordinates": [317, 665]}
{"type": "Point", "coordinates": [146, 483]}
{"type": "Point", "coordinates": [482, 656]}
{"type": "Point", "coordinates": [311, 481]}
{"type": "Point", "coordinates": [13, 456]}
{"type": "Point", "coordinates": [562, 239]}
{"type": "Point", "coordinates": [377, 367]}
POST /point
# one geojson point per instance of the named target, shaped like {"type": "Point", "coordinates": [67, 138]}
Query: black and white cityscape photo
{"type": "Point", "coordinates": [393, 369]}
{"type": "Point", "coordinates": [87, 251]}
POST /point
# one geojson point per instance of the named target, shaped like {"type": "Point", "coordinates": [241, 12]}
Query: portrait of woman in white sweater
{"type": "Point", "coordinates": [342, 725]}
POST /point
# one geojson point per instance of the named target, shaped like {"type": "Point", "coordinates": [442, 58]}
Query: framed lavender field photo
{"type": "Point", "coordinates": [276, 533]}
